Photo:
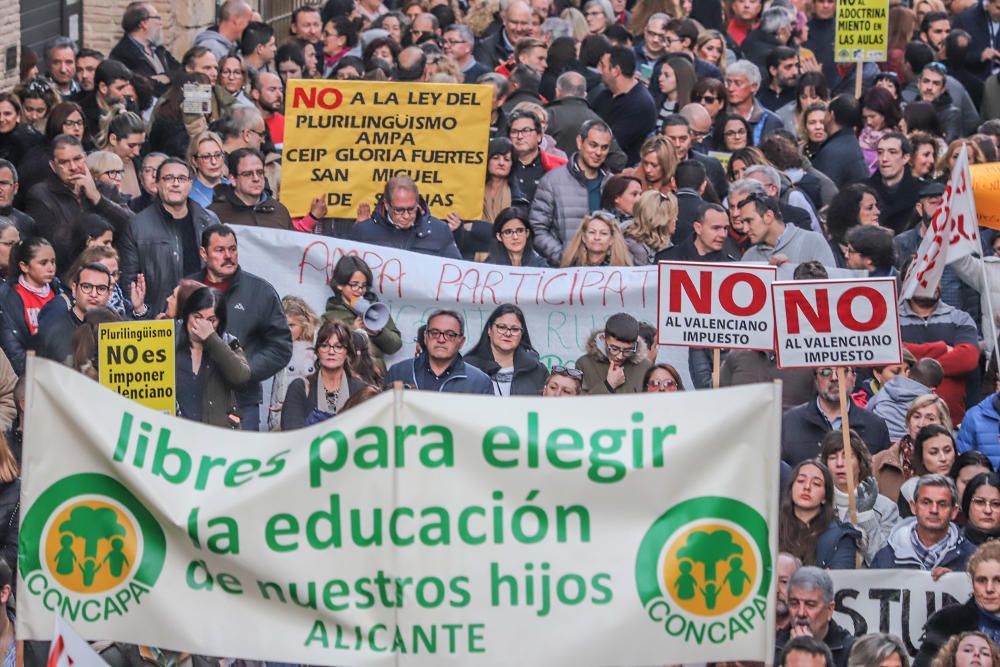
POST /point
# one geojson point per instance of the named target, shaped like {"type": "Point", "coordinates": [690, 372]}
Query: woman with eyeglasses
{"type": "Point", "coordinates": [732, 134]}
{"type": "Point", "coordinates": [210, 365]}
{"type": "Point", "coordinates": [504, 352]}
{"type": "Point", "coordinates": [514, 240]}
{"type": "Point", "coordinates": [353, 280]}
{"type": "Point", "coordinates": [230, 89]}
{"type": "Point", "coordinates": [876, 514]}
{"type": "Point", "coordinates": [598, 242]}
{"type": "Point", "coordinates": [711, 94]}
{"type": "Point", "coordinates": [599, 16]}
{"type": "Point", "coordinates": [64, 118]}
{"type": "Point", "coordinates": [662, 378]}
{"type": "Point", "coordinates": [108, 170]}
{"type": "Point", "coordinates": [208, 160]}
{"type": "Point", "coordinates": [981, 508]}
{"type": "Point", "coordinates": [323, 394]}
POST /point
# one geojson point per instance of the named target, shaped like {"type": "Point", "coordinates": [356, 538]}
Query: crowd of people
{"type": "Point", "coordinates": [622, 133]}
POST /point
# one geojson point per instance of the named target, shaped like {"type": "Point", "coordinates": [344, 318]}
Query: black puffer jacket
{"type": "Point", "coordinates": [152, 246]}
{"type": "Point", "coordinates": [254, 316]}
{"type": "Point", "coordinates": [428, 235]}
{"type": "Point", "coordinates": [529, 372]}
{"type": "Point", "coordinates": [944, 624]}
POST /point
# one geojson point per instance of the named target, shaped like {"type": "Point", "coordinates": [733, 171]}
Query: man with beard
{"type": "Point", "coordinates": [803, 427]}
{"type": "Point", "coordinates": [267, 94]}
{"type": "Point", "coordinates": [783, 75]}
{"type": "Point", "coordinates": [141, 49]}
{"type": "Point", "coordinates": [253, 315]}
{"type": "Point", "coordinates": [929, 327]}
{"type": "Point", "coordinates": [112, 86]}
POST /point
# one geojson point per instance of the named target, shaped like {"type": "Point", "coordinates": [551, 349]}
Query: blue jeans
{"type": "Point", "coordinates": [250, 417]}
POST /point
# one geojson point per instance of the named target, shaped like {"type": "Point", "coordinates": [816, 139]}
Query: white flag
{"type": "Point", "coordinates": [953, 233]}
{"type": "Point", "coordinates": [70, 650]}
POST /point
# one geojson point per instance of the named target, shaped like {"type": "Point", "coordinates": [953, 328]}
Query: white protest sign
{"type": "Point", "coordinates": [894, 601]}
{"type": "Point", "coordinates": [409, 530]}
{"type": "Point", "coordinates": [716, 305]}
{"type": "Point", "coordinates": [562, 306]}
{"type": "Point", "coordinates": [836, 323]}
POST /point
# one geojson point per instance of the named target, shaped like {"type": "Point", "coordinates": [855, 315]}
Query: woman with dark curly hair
{"type": "Point", "coordinates": [854, 205]}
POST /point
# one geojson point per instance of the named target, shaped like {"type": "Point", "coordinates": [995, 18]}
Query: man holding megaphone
{"type": "Point", "coordinates": [356, 304]}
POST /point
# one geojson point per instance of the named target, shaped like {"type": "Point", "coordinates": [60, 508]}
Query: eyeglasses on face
{"type": "Point", "coordinates": [335, 347]}
{"type": "Point", "coordinates": [662, 384]}
{"type": "Point", "coordinates": [618, 351]}
{"type": "Point", "coordinates": [90, 288]}
{"type": "Point", "coordinates": [505, 330]}
{"type": "Point", "coordinates": [829, 372]}
{"type": "Point", "coordinates": [440, 334]}
{"type": "Point", "coordinates": [175, 178]}
{"type": "Point", "coordinates": [515, 231]}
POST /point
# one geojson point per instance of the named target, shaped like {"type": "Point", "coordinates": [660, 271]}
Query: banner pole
{"type": "Point", "coordinates": [992, 313]}
{"type": "Point", "coordinates": [716, 366]}
{"type": "Point", "coordinates": [845, 429]}
{"type": "Point", "coordinates": [858, 80]}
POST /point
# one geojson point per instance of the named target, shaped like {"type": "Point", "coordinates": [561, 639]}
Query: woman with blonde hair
{"type": "Point", "coordinates": [303, 323]}
{"type": "Point", "coordinates": [947, 160]}
{"type": "Point", "coordinates": [577, 22]}
{"type": "Point", "coordinates": [893, 466]}
{"type": "Point", "coordinates": [598, 242]}
{"type": "Point", "coordinates": [711, 47]}
{"type": "Point", "coordinates": [208, 160]}
{"type": "Point", "coordinates": [657, 162]}
{"type": "Point", "coordinates": [973, 648]}
{"type": "Point", "coordinates": [653, 223]}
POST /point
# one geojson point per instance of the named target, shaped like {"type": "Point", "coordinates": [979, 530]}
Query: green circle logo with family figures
{"type": "Point", "coordinates": [90, 549]}
{"type": "Point", "coordinates": [703, 571]}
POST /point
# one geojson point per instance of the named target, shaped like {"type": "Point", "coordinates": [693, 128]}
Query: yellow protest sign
{"type": "Point", "coordinates": [345, 139]}
{"type": "Point", "coordinates": [137, 361]}
{"type": "Point", "coordinates": [862, 31]}
{"type": "Point", "coordinates": [986, 191]}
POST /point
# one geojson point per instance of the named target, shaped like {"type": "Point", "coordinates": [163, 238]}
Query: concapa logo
{"type": "Point", "coordinates": [703, 570]}
{"type": "Point", "coordinates": [89, 549]}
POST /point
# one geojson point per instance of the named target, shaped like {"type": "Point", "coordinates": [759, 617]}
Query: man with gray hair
{"type": "Point", "coordinates": [569, 111]}
{"type": "Point", "coordinates": [402, 220]}
{"type": "Point", "coordinates": [929, 540]}
{"type": "Point", "coordinates": [775, 30]}
{"type": "Point", "coordinates": [742, 84]}
{"type": "Point", "coordinates": [497, 48]}
{"type": "Point", "coordinates": [457, 43]}
{"type": "Point", "coordinates": [800, 213]}
{"type": "Point", "coordinates": [439, 365]}
{"type": "Point", "coordinates": [810, 603]}
{"type": "Point", "coordinates": [653, 43]}
{"type": "Point", "coordinates": [60, 63]}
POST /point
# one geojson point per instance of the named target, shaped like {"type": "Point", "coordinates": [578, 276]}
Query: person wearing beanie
{"type": "Point", "coordinates": [616, 361]}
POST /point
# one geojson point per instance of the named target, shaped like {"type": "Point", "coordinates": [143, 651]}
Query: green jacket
{"type": "Point", "coordinates": [385, 342]}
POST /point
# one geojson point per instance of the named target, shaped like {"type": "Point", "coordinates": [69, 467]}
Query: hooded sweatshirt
{"type": "Point", "coordinates": [892, 402]}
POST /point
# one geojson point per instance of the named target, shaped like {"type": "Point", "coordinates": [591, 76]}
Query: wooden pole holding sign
{"type": "Point", "coordinates": [858, 80]}
{"type": "Point", "coordinates": [716, 366]}
{"type": "Point", "coordinates": [845, 428]}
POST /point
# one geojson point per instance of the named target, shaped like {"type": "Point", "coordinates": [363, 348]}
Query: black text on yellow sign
{"type": "Point", "coordinates": [136, 360]}
{"type": "Point", "coordinates": [345, 139]}
{"type": "Point", "coordinates": [862, 31]}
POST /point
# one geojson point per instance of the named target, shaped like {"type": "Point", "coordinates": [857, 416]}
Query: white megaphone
{"type": "Point", "coordinates": [374, 315]}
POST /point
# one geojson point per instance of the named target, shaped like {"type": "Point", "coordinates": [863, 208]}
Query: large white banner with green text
{"type": "Point", "coordinates": [415, 529]}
